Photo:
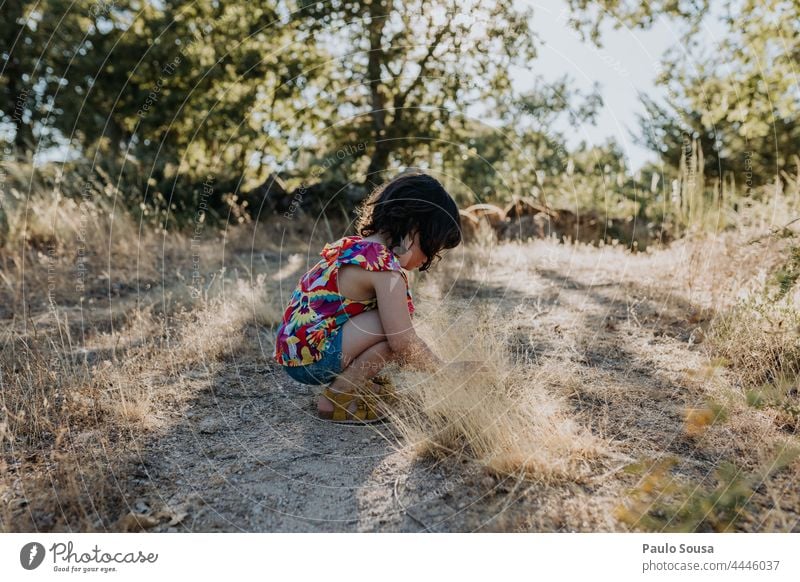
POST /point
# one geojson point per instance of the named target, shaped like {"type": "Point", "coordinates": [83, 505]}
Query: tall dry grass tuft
{"type": "Point", "coordinates": [220, 316]}
{"type": "Point", "coordinates": [90, 360]}
{"type": "Point", "coordinates": [695, 204]}
{"type": "Point", "coordinates": [759, 341]}
{"type": "Point", "coordinates": [66, 238]}
{"type": "Point", "coordinates": [56, 469]}
{"type": "Point", "coordinates": [499, 415]}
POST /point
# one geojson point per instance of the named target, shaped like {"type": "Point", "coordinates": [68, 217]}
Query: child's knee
{"type": "Point", "coordinates": [379, 355]}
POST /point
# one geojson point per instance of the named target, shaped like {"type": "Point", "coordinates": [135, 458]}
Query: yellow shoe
{"type": "Point", "coordinates": [365, 412]}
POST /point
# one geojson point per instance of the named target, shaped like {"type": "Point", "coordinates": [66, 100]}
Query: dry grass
{"type": "Point", "coordinates": [726, 294]}
{"type": "Point", "coordinates": [69, 426]}
{"type": "Point", "coordinates": [91, 359]}
{"type": "Point", "coordinates": [501, 414]}
{"type": "Point", "coordinates": [83, 380]}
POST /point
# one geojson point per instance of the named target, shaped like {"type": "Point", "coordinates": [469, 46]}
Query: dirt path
{"type": "Point", "coordinates": [249, 455]}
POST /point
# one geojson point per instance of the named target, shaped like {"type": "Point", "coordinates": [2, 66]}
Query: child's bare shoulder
{"type": "Point", "coordinates": [355, 283]}
{"type": "Point", "coordinates": [358, 283]}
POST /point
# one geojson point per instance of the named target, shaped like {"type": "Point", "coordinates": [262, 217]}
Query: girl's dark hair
{"type": "Point", "coordinates": [413, 202]}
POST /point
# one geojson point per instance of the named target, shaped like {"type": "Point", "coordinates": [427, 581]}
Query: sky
{"type": "Point", "coordinates": [625, 65]}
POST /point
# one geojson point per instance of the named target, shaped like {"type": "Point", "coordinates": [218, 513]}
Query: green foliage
{"type": "Point", "coordinates": [179, 92]}
{"type": "Point", "coordinates": [781, 396]}
{"type": "Point", "coordinates": [740, 99]}
{"type": "Point", "coordinates": [182, 90]}
{"type": "Point", "coordinates": [589, 16]}
{"type": "Point", "coordinates": [16, 95]}
{"type": "Point", "coordinates": [410, 65]}
{"type": "Point", "coordinates": [662, 503]}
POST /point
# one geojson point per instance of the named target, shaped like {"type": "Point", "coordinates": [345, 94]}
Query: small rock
{"type": "Point", "coordinates": [209, 425]}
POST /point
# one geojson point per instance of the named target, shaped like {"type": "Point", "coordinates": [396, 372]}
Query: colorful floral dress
{"type": "Point", "coordinates": [317, 311]}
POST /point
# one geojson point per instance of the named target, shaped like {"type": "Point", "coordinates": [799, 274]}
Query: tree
{"type": "Point", "coordinates": [739, 99]}
{"type": "Point", "coordinates": [742, 96]}
{"type": "Point", "coordinates": [588, 16]}
{"type": "Point", "coordinates": [186, 89]}
{"type": "Point", "coordinates": [673, 131]}
{"type": "Point", "coordinates": [16, 93]}
{"type": "Point", "coordinates": [410, 66]}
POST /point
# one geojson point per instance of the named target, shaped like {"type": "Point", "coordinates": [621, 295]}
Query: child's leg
{"type": "Point", "coordinates": [360, 333]}
{"type": "Point", "coordinates": [365, 352]}
{"type": "Point", "coordinates": [365, 366]}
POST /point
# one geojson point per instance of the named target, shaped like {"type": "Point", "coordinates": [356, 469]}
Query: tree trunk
{"type": "Point", "coordinates": [378, 12]}
{"type": "Point", "coordinates": [377, 164]}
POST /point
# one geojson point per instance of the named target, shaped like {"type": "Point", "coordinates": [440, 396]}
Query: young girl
{"type": "Point", "coordinates": [351, 313]}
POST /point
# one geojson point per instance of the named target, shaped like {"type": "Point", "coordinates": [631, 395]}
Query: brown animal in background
{"type": "Point", "coordinates": [528, 218]}
{"type": "Point", "coordinates": [564, 224]}
{"type": "Point", "coordinates": [629, 231]}
{"type": "Point", "coordinates": [590, 227]}
{"type": "Point", "coordinates": [524, 218]}
{"type": "Point", "coordinates": [539, 225]}
{"type": "Point", "coordinates": [469, 225]}
{"type": "Point", "coordinates": [494, 215]}
{"type": "Point", "coordinates": [525, 206]}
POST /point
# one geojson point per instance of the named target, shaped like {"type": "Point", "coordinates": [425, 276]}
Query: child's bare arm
{"type": "Point", "coordinates": [410, 349]}
{"type": "Point", "coordinates": [419, 355]}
